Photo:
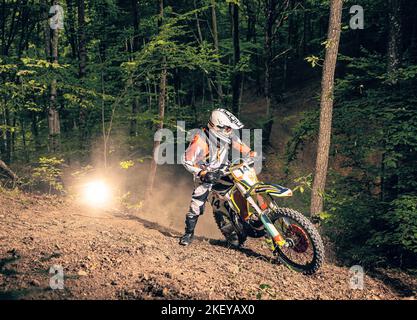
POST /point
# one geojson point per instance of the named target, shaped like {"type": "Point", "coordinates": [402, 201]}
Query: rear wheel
{"type": "Point", "coordinates": [304, 251]}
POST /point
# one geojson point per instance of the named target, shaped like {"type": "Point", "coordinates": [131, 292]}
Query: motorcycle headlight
{"type": "Point", "coordinates": [97, 193]}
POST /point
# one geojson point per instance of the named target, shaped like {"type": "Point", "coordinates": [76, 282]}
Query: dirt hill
{"type": "Point", "coordinates": [116, 255]}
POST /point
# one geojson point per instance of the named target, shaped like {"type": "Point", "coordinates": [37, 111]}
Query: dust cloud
{"type": "Point", "coordinates": [171, 195]}
{"type": "Point", "coordinates": [171, 199]}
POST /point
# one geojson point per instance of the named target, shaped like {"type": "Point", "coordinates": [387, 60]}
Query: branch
{"type": "Point", "coordinates": [280, 54]}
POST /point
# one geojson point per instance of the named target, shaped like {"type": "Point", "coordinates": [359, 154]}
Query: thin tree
{"type": "Point", "coordinates": [82, 65]}
{"type": "Point", "coordinates": [216, 47]}
{"type": "Point", "coordinates": [326, 106]}
{"type": "Point", "coordinates": [237, 75]}
{"type": "Point", "coordinates": [134, 47]}
{"type": "Point", "coordinates": [251, 36]}
{"type": "Point", "coordinates": [53, 114]}
{"type": "Point", "coordinates": [274, 16]}
{"type": "Point", "coordinates": [394, 57]}
{"type": "Point", "coordinates": [72, 38]}
{"type": "Point", "coordinates": [161, 106]}
{"type": "Point", "coordinates": [394, 38]}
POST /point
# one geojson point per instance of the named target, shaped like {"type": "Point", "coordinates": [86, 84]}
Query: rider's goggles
{"type": "Point", "coordinates": [225, 129]}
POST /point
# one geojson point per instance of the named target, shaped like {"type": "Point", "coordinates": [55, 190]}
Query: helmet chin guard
{"type": "Point", "coordinates": [222, 123]}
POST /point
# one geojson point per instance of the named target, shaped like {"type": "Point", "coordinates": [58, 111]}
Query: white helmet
{"type": "Point", "coordinates": [222, 123]}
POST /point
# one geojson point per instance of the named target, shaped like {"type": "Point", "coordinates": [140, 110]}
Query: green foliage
{"type": "Point", "coordinates": [302, 133]}
{"type": "Point", "coordinates": [303, 183]}
{"type": "Point", "coordinates": [265, 289]}
{"type": "Point", "coordinates": [313, 60]}
{"type": "Point", "coordinates": [48, 173]}
{"type": "Point", "coordinates": [177, 54]}
{"type": "Point", "coordinates": [126, 200]}
{"type": "Point", "coordinates": [378, 212]}
{"type": "Point", "coordinates": [370, 196]}
{"type": "Point", "coordinates": [126, 164]}
{"type": "Point", "coordinates": [400, 232]}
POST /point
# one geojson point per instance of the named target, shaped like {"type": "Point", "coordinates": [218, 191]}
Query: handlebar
{"type": "Point", "coordinates": [225, 169]}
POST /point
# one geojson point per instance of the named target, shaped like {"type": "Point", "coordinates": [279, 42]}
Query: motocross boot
{"type": "Point", "coordinates": [190, 223]}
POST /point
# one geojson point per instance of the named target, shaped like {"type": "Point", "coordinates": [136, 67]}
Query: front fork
{"type": "Point", "coordinates": [263, 215]}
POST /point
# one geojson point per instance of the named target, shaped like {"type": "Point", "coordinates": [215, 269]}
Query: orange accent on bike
{"type": "Point", "coordinates": [264, 206]}
{"type": "Point", "coordinates": [278, 238]}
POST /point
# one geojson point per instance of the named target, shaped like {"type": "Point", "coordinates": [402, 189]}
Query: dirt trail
{"type": "Point", "coordinates": [114, 255]}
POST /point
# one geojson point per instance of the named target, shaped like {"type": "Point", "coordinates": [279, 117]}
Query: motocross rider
{"type": "Point", "coordinates": [207, 152]}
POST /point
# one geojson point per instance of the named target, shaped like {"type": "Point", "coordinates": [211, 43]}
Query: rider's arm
{"type": "Point", "coordinates": [243, 148]}
{"type": "Point", "coordinates": [194, 155]}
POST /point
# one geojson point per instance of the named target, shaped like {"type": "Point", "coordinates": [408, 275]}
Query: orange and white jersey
{"type": "Point", "coordinates": [207, 152]}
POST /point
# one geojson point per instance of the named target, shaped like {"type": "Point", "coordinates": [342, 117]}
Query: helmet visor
{"type": "Point", "coordinates": [226, 130]}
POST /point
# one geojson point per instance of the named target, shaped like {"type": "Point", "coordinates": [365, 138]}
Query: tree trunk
{"type": "Point", "coordinates": [35, 131]}
{"type": "Point", "coordinates": [3, 25]}
{"type": "Point", "coordinates": [8, 130]}
{"type": "Point", "coordinates": [161, 113]}
{"type": "Point", "coordinates": [270, 14]}
{"type": "Point", "coordinates": [82, 65]}
{"type": "Point", "coordinates": [237, 75]}
{"type": "Point", "coordinates": [413, 45]}
{"type": "Point", "coordinates": [251, 21]}
{"type": "Point", "coordinates": [15, 18]}
{"type": "Point", "coordinates": [46, 30]}
{"type": "Point", "coordinates": [326, 106]}
{"type": "Point", "coordinates": [2, 143]}
{"type": "Point", "coordinates": [24, 142]}
{"type": "Point", "coordinates": [53, 115]}
{"type": "Point", "coordinates": [216, 47]}
{"type": "Point", "coordinates": [394, 38]}
{"type": "Point", "coordinates": [13, 138]}
{"type": "Point", "coordinates": [135, 47]}
{"type": "Point", "coordinates": [71, 29]}
{"type": "Point", "coordinates": [24, 26]}
{"type": "Point", "coordinates": [251, 37]}
{"type": "Point", "coordinates": [197, 19]}
{"type": "Point", "coordinates": [389, 181]}
{"type": "Point", "coordinates": [305, 30]}
{"type": "Point", "coordinates": [82, 51]}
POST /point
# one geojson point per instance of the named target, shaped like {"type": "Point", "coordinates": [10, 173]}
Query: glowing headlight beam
{"type": "Point", "coordinates": [96, 194]}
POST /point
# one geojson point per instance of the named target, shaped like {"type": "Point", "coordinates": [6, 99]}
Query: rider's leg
{"type": "Point", "coordinates": [198, 201]}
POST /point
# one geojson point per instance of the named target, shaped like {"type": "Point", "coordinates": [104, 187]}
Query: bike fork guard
{"type": "Point", "coordinates": [272, 231]}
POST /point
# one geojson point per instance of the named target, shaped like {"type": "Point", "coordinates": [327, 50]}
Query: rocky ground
{"type": "Point", "coordinates": [117, 255]}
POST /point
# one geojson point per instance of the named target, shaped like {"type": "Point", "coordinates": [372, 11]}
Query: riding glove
{"type": "Point", "coordinates": [210, 176]}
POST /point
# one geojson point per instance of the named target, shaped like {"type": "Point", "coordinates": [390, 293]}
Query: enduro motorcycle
{"type": "Point", "coordinates": [245, 207]}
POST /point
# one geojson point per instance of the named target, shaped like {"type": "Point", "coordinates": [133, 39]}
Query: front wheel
{"type": "Point", "coordinates": [304, 250]}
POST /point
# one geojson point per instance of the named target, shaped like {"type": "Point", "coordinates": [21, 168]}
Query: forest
{"type": "Point", "coordinates": [85, 85]}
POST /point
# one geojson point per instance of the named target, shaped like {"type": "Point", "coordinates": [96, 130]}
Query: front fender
{"type": "Point", "coordinates": [274, 190]}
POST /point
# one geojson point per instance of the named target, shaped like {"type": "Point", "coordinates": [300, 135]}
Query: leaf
{"type": "Point", "coordinates": [313, 60]}
{"type": "Point", "coordinates": [126, 164]}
